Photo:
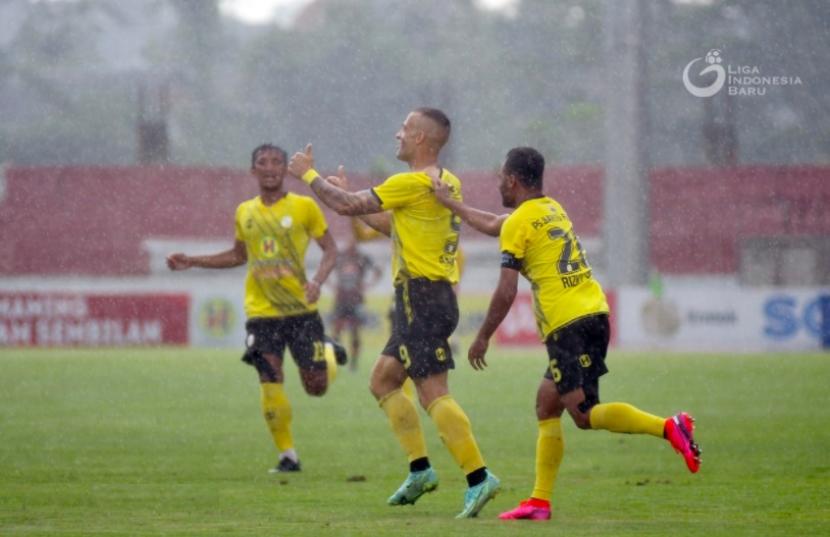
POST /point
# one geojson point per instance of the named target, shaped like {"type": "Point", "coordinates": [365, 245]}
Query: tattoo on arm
{"type": "Point", "coordinates": [344, 202]}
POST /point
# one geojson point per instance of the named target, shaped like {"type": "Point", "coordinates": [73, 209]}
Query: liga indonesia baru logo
{"type": "Point", "coordinates": [743, 80]}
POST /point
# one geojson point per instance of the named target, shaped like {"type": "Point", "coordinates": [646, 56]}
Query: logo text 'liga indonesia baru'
{"type": "Point", "coordinates": [739, 80]}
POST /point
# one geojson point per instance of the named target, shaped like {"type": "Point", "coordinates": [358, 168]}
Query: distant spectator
{"type": "Point", "coordinates": [352, 269]}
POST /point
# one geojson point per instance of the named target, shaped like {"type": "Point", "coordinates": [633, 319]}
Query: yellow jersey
{"type": "Point", "coordinates": [424, 233]}
{"type": "Point", "coordinates": [276, 238]}
{"type": "Point", "coordinates": [538, 240]}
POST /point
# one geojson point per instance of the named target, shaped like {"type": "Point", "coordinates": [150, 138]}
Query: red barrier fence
{"type": "Point", "coordinates": [93, 220]}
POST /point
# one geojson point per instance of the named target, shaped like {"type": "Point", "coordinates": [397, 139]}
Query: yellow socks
{"type": "Point", "coordinates": [625, 418]}
{"type": "Point", "coordinates": [277, 412]}
{"type": "Point", "coordinates": [331, 362]}
{"type": "Point", "coordinates": [408, 389]}
{"type": "Point", "coordinates": [549, 451]}
{"type": "Point", "coordinates": [454, 429]}
{"type": "Point", "coordinates": [403, 417]}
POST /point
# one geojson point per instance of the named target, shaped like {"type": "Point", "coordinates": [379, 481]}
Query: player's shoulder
{"type": "Point", "coordinates": [420, 179]}
{"type": "Point", "coordinates": [551, 203]}
{"type": "Point", "coordinates": [409, 177]}
{"type": "Point", "coordinates": [525, 214]}
{"type": "Point", "coordinates": [447, 176]}
{"type": "Point", "coordinates": [451, 179]}
{"type": "Point", "coordinates": [301, 199]}
{"type": "Point", "coordinates": [247, 204]}
{"type": "Point", "coordinates": [534, 207]}
{"type": "Point", "coordinates": [513, 220]}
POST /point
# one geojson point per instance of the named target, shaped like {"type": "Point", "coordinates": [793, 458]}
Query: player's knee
{"type": "Point", "coordinates": [316, 389]}
{"type": "Point", "coordinates": [547, 411]}
{"type": "Point", "coordinates": [582, 421]}
{"type": "Point", "coordinates": [315, 383]}
{"type": "Point", "coordinates": [582, 414]}
{"type": "Point", "coordinates": [376, 389]}
{"type": "Point", "coordinates": [379, 384]}
{"type": "Point", "coordinates": [269, 376]}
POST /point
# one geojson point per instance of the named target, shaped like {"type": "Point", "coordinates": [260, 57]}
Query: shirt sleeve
{"type": "Point", "coordinates": [400, 189]}
{"type": "Point", "coordinates": [512, 241]}
{"type": "Point", "coordinates": [316, 223]}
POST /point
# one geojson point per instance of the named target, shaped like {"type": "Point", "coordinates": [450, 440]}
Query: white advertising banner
{"type": "Point", "coordinates": [217, 316]}
{"type": "Point", "coordinates": [733, 319]}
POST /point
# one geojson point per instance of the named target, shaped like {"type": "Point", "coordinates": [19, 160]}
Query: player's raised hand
{"type": "Point", "coordinates": [476, 353]}
{"type": "Point", "coordinates": [339, 180]}
{"type": "Point", "coordinates": [301, 162]}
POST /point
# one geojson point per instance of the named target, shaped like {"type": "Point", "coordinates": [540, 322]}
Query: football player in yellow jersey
{"type": "Point", "coordinates": [272, 234]}
{"type": "Point", "coordinates": [538, 241]}
{"type": "Point", "coordinates": [425, 241]}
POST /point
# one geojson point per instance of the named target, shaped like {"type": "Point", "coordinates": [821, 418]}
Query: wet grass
{"type": "Point", "coordinates": [170, 442]}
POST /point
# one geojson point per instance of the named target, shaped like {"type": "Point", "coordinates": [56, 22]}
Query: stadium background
{"type": "Point", "coordinates": [712, 290]}
{"type": "Point", "coordinates": [125, 132]}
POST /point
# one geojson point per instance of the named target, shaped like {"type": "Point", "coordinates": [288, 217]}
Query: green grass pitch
{"type": "Point", "coordinates": [171, 442]}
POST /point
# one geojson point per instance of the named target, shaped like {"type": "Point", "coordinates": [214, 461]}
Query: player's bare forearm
{"type": "Point", "coordinates": [327, 244]}
{"type": "Point", "coordinates": [500, 303]}
{"type": "Point", "coordinates": [362, 231]}
{"type": "Point", "coordinates": [234, 257]}
{"type": "Point", "coordinates": [218, 261]}
{"type": "Point", "coordinates": [313, 286]}
{"type": "Point", "coordinates": [483, 221]}
{"type": "Point", "coordinates": [378, 221]}
{"type": "Point", "coordinates": [301, 165]}
{"type": "Point", "coordinates": [344, 202]}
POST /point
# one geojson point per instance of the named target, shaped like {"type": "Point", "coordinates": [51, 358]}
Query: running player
{"type": "Point", "coordinates": [273, 231]}
{"type": "Point", "coordinates": [538, 241]}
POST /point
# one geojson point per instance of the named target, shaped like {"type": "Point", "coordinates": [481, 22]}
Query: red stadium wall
{"type": "Point", "coordinates": [93, 220]}
{"type": "Point", "coordinates": [700, 215]}
{"type": "Point", "coordinates": [77, 220]}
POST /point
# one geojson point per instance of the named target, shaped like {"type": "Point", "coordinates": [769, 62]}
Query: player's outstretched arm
{"type": "Point", "coordinates": [485, 222]}
{"type": "Point", "coordinates": [228, 259]}
{"type": "Point", "coordinates": [500, 303]}
{"type": "Point", "coordinates": [341, 201]}
{"type": "Point", "coordinates": [377, 224]}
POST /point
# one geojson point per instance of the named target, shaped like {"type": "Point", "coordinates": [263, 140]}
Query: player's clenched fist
{"type": "Point", "coordinates": [178, 262]}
